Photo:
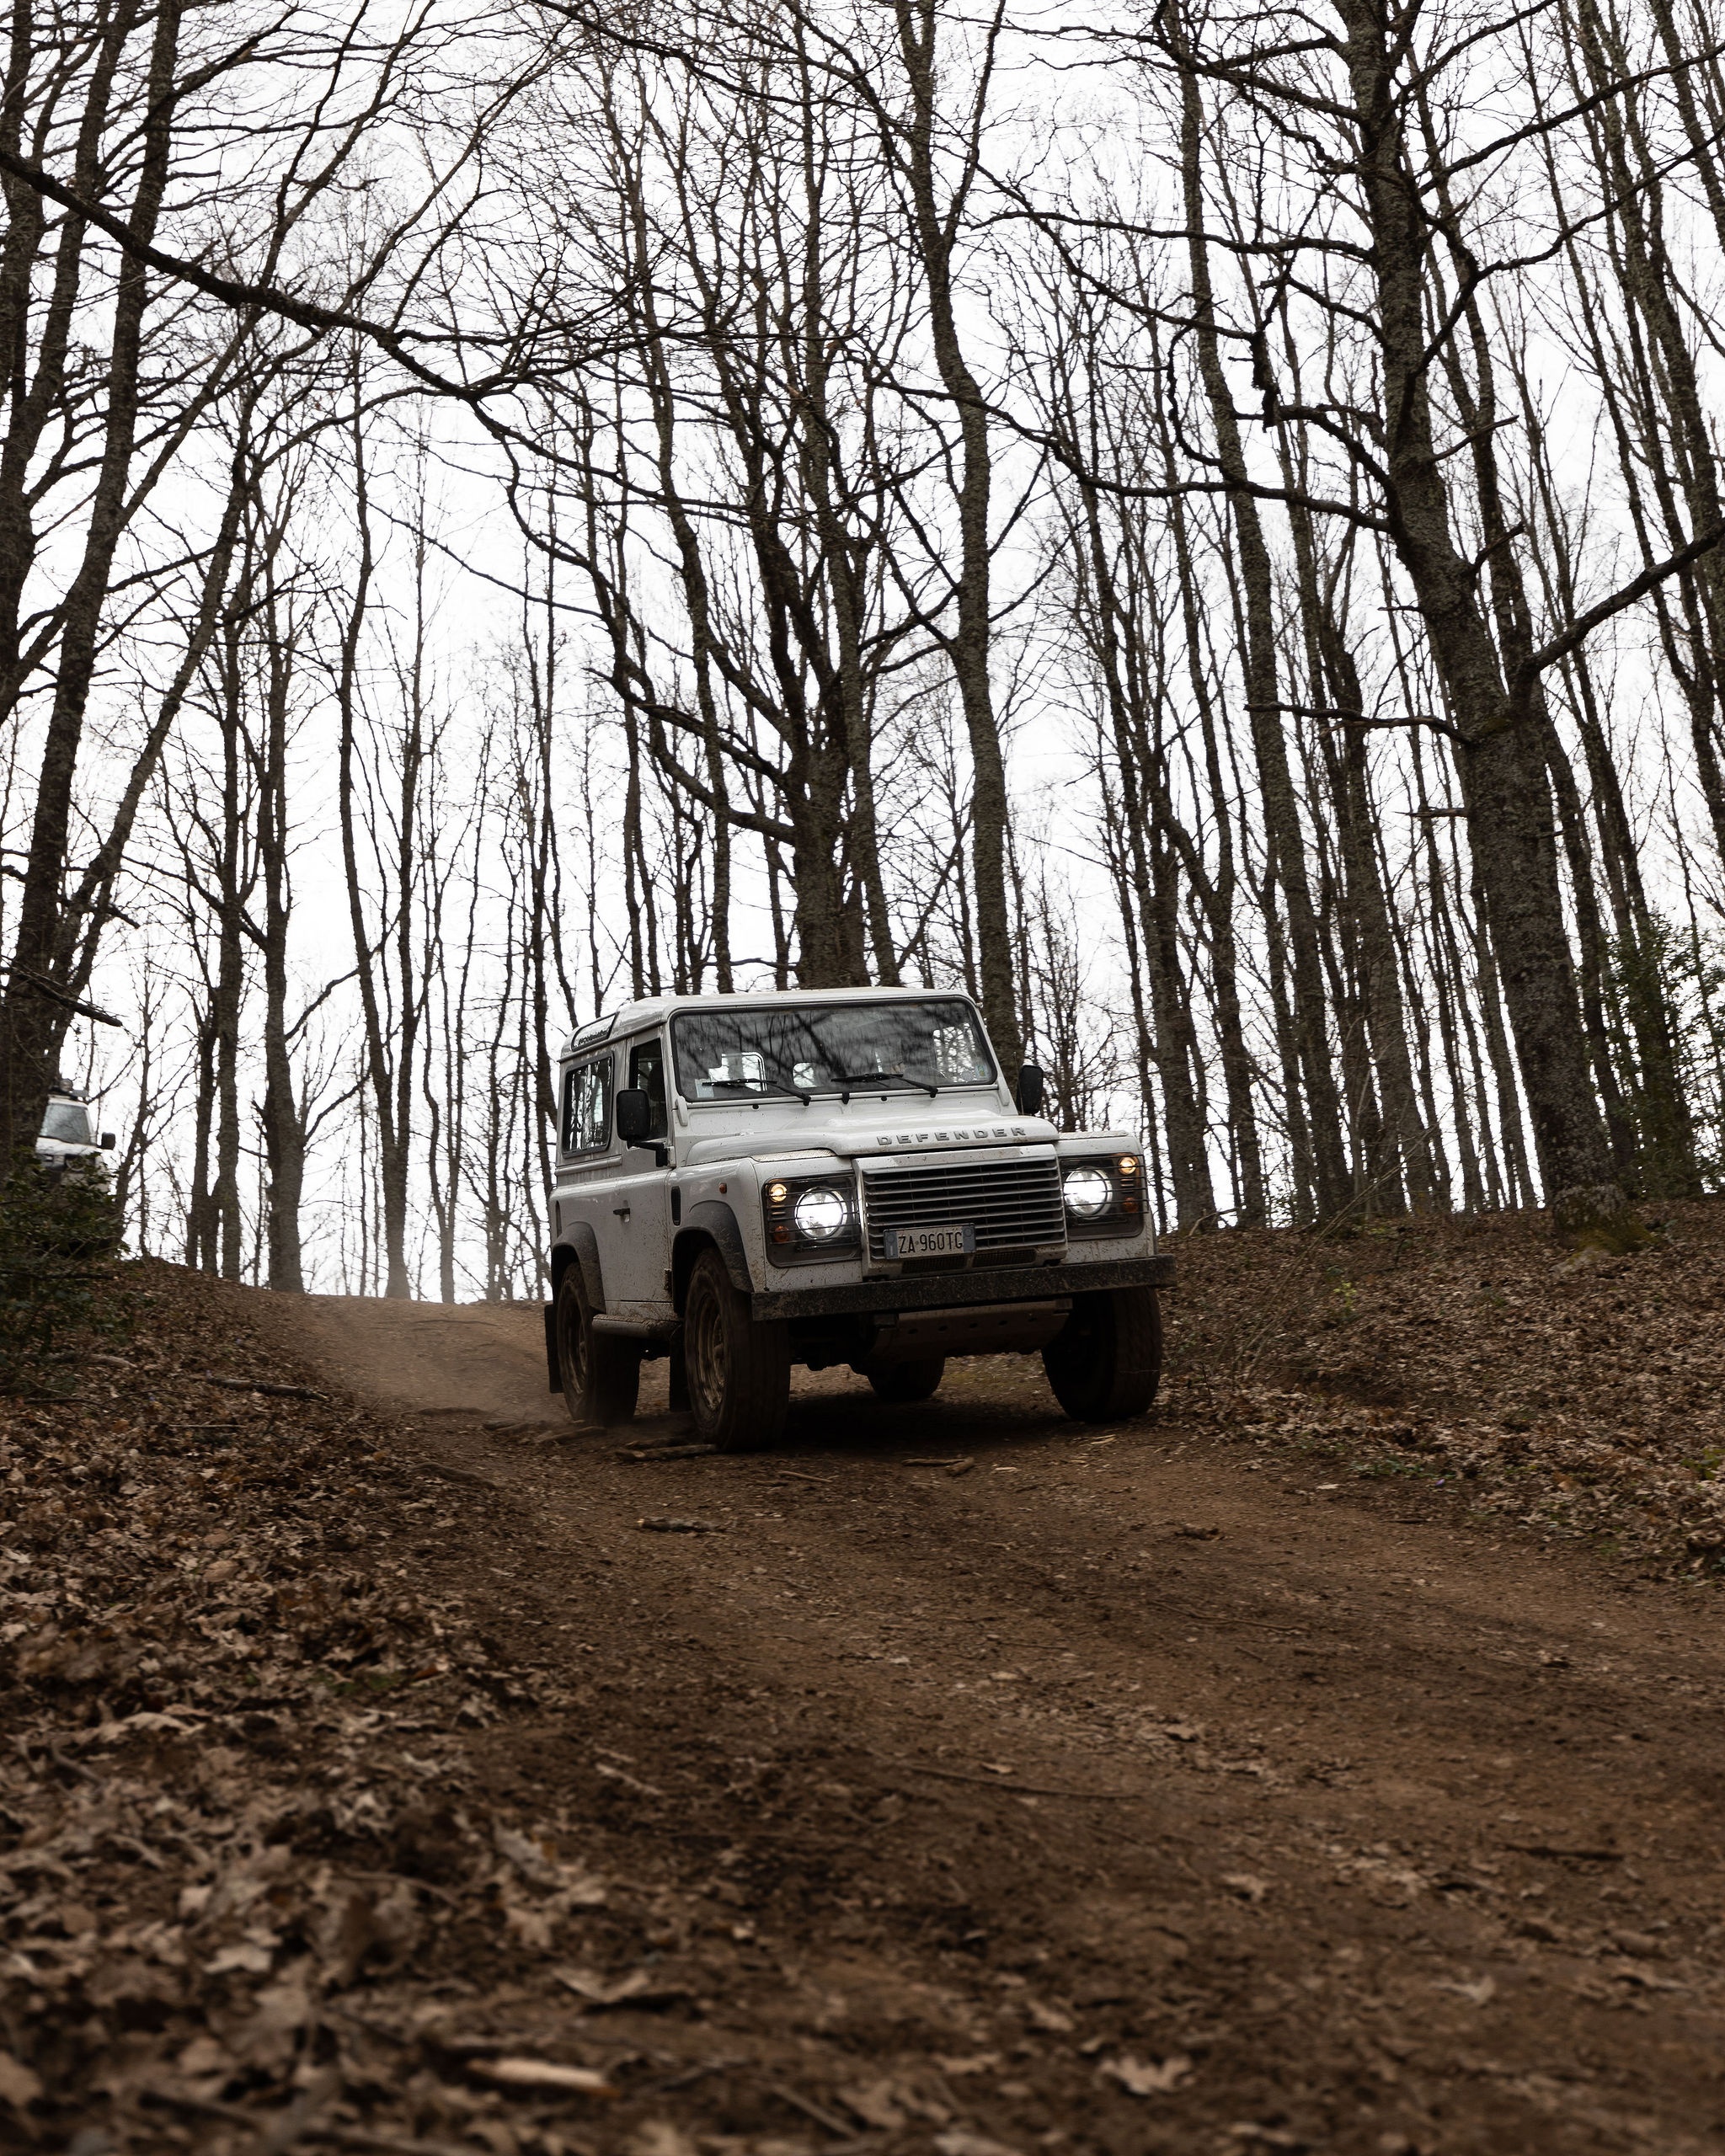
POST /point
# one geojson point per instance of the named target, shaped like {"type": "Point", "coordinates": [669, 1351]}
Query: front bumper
{"type": "Point", "coordinates": [928, 1291]}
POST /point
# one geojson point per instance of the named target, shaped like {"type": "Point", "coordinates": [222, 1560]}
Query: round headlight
{"type": "Point", "coordinates": [821, 1213]}
{"type": "Point", "coordinates": [1089, 1192]}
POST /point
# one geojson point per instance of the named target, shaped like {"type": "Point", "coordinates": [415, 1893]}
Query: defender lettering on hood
{"type": "Point", "coordinates": [983, 1134]}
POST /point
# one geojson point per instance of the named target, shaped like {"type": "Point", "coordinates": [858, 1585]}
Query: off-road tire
{"type": "Point", "coordinates": [905, 1383]}
{"type": "Point", "coordinates": [600, 1374]}
{"type": "Point", "coordinates": [1106, 1361]}
{"type": "Point", "coordinates": [739, 1372]}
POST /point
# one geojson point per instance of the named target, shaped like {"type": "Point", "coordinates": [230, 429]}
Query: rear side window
{"type": "Point", "coordinates": [586, 1106]}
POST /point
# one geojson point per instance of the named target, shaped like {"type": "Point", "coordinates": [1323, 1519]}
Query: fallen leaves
{"type": "Point", "coordinates": [875, 2103]}
{"type": "Point", "coordinates": [1247, 1884]}
{"type": "Point", "coordinates": [1472, 1367]}
{"type": "Point", "coordinates": [1158, 2078]}
{"type": "Point", "coordinates": [642, 1988]}
{"type": "Point", "coordinates": [1479, 1992]}
{"type": "Point", "coordinates": [959, 2140]}
{"type": "Point", "coordinates": [18, 2086]}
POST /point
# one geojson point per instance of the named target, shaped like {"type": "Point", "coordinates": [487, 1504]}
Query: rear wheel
{"type": "Point", "coordinates": [600, 1376]}
{"type": "Point", "coordinates": [904, 1383]}
{"type": "Point", "coordinates": [739, 1372]}
{"type": "Point", "coordinates": [1106, 1361]}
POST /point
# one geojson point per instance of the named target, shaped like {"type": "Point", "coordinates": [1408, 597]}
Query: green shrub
{"type": "Point", "coordinates": [59, 1235]}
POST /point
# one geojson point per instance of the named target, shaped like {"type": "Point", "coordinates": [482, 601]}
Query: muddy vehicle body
{"type": "Point", "coordinates": [837, 1177]}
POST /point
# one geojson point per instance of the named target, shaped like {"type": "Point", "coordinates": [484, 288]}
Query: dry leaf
{"type": "Point", "coordinates": [282, 2009]}
{"type": "Point", "coordinates": [247, 1956]}
{"type": "Point", "coordinates": [18, 2086]}
{"type": "Point", "coordinates": [1477, 1994]}
{"type": "Point", "coordinates": [876, 2103]}
{"type": "Point", "coordinates": [1246, 1884]}
{"type": "Point", "coordinates": [525, 1854]}
{"type": "Point", "coordinates": [660, 2137]}
{"type": "Point", "coordinates": [640, 1987]}
{"type": "Point", "coordinates": [530, 1927]}
{"type": "Point", "coordinates": [362, 1925]}
{"type": "Point", "coordinates": [1148, 2080]}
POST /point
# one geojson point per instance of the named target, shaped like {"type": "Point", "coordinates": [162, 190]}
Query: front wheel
{"type": "Point", "coordinates": [739, 1372]}
{"type": "Point", "coordinates": [1106, 1361]}
{"type": "Point", "coordinates": [600, 1375]}
{"type": "Point", "coordinates": [904, 1383]}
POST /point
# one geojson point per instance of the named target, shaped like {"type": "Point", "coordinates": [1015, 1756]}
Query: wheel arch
{"type": "Point", "coordinates": [708, 1226]}
{"type": "Point", "coordinates": [579, 1246]}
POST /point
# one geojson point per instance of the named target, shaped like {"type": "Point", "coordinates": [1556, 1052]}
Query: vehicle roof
{"type": "Point", "coordinates": [632, 1016]}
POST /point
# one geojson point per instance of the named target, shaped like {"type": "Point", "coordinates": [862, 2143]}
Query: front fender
{"type": "Point", "coordinates": [709, 1222]}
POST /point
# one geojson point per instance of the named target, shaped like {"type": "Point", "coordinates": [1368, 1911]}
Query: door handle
{"type": "Point", "coordinates": [621, 1211]}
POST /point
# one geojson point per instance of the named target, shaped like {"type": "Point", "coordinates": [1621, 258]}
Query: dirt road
{"type": "Point", "coordinates": [1010, 1786]}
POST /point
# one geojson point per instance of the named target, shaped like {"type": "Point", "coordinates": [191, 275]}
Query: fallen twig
{"type": "Point", "coordinates": [259, 1384]}
{"type": "Point", "coordinates": [829, 2120]}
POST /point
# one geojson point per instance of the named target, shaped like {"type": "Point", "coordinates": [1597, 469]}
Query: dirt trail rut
{"type": "Point", "coordinates": [1136, 1798]}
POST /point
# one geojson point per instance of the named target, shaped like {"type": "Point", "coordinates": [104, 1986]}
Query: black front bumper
{"type": "Point", "coordinates": [940, 1291]}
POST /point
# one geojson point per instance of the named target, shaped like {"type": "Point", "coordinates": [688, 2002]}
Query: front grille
{"type": "Point", "coordinates": [1011, 1204]}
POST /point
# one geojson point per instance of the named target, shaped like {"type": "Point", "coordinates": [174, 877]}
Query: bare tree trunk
{"type": "Point", "coordinates": [380, 1054]}
{"type": "Point", "coordinates": [1502, 773]}
{"type": "Point", "coordinates": [1287, 858]}
{"type": "Point", "coordinates": [32, 1024]}
{"type": "Point", "coordinates": [970, 642]}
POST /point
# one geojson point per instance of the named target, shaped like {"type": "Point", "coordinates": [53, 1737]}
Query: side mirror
{"type": "Point", "coordinates": [108, 1141]}
{"type": "Point", "coordinates": [1029, 1090]}
{"type": "Point", "coordinates": [634, 1115]}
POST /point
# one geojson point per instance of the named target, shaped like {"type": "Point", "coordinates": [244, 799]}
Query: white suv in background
{"type": "Point", "coordinates": [832, 1178]}
{"type": "Point", "coordinates": [66, 1131]}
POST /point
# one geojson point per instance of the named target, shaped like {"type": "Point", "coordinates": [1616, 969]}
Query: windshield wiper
{"type": "Point", "coordinates": [761, 1086]}
{"type": "Point", "coordinates": [866, 1080]}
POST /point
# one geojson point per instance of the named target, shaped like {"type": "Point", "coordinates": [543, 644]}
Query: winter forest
{"type": "Point", "coordinates": [1201, 525]}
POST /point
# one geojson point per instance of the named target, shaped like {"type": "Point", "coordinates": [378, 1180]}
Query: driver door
{"type": "Point", "coordinates": [638, 1243]}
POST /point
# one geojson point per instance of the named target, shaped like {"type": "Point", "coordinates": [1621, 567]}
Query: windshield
{"type": "Point", "coordinates": [792, 1048]}
{"type": "Point", "coordinates": [68, 1123]}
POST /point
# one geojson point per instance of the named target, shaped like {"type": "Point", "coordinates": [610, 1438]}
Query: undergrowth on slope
{"type": "Point", "coordinates": [1578, 1396]}
{"type": "Point", "coordinates": [58, 1285]}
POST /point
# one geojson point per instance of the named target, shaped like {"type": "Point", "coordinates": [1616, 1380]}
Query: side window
{"type": "Point", "coordinates": [586, 1106]}
{"type": "Point", "coordinates": [646, 1075]}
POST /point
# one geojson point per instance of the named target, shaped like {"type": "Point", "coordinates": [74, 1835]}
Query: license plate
{"type": "Point", "coordinates": [954, 1241]}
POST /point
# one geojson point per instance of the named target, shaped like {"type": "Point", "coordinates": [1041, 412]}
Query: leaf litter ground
{"type": "Point", "coordinates": [1327, 1763]}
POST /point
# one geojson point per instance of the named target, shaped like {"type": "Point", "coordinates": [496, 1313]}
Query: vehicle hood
{"type": "Point", "coordinates": [873, 1138]}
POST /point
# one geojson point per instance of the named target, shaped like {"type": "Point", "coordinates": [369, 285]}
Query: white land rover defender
{"type": "Point", "coordinates": [834, 1177]}
{"type": "Point", "coordinates": [66, 1131]}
